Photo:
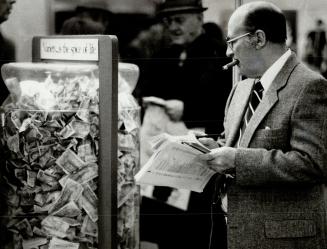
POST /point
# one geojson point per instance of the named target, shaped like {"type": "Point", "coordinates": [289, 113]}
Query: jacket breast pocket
{"type": "Point", "coordinates": [271, 139]}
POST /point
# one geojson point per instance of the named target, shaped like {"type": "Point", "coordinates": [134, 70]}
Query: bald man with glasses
{"type": "Point", "coordinates": [275, 156]}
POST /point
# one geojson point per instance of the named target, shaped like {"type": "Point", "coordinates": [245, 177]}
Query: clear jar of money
{"type": "Point", "coordinates": [50, 142]}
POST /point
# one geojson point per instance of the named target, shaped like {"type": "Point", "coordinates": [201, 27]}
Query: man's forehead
{"type": "Point", "coordinates": [236, 23]}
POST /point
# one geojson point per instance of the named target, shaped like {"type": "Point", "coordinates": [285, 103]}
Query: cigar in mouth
{"type": "Point", "coordinates": [231, 64]}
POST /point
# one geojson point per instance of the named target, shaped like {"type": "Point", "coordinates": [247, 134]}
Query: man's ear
{"type": "Point", "coordinates": [260, 39]}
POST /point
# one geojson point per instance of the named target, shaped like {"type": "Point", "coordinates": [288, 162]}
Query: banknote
{"type": "Point", "coordinates": [68, 210]}
{"type": "Point", "coordinates": [34, 243]}
{"type": "Point", "coordinates": [24, 227]}
{"type": "Point", "coordinates": [85, 174]}
{"type": "Point", "coordinates": [56, 243]}
{"type": "Point", "coordinates": [55, 226]}
{"type": "Point", "coordinates": [89, 227]}
{"type": "Point", "coordinates": [89, 202]}
{"type": "Point", "coordinates": [71, 192]}
{"type": "Point", "coordinates": [69, 162]}
{"type": "Point", "coordinates": [31, 178]}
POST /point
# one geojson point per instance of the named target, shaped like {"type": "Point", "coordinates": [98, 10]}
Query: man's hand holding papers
{"type": "Point", "coordinates": [175, 164]}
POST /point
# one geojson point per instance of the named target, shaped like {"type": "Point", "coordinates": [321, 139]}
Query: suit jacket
{"type": "Point", "coordinates": [278, 197]}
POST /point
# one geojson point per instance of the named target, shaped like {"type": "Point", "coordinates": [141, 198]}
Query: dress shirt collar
{"type": "Point", "coordinates": [268, 77]}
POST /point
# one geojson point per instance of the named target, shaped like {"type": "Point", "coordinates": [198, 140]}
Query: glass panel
{"type": "Point", "coordinates": [50, 139]}
{"type": "Point", "coordinates": [128, 158]}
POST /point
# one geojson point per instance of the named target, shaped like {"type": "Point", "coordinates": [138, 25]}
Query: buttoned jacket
{"type": "Point", "coordinates": [278, 197]}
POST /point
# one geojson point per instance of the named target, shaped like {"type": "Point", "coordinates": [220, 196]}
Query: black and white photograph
{"type": "Point", "coordinates": [163, 124]}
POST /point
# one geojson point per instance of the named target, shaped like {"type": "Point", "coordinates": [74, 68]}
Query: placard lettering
{"type": "Point", "coordinates": [70, 49]}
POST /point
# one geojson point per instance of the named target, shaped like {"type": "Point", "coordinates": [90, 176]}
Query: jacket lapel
{"type": "Point", "coordinates": [236, 110]}
{"type": "Point", "coordinates": [269, 100]}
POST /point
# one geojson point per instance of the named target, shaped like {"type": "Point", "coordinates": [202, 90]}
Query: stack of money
{"type": "Point", "coordinates": [51, 175]}
{"type": "Point", "coordinates": [51, 160]}
{"type": "Point", "coordinates": [50, 136]}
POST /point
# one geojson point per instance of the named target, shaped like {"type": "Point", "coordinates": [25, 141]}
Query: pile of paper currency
{"type": "Point", "coordinates": [50, 136]}
{"type": "Point", "coordinates": [51, 172]}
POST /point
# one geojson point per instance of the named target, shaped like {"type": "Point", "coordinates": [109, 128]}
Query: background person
{"type": "Point", "coordinates": [7, 54]}
{"type": "Point", "coordinates": [213, 30]}
{"type": "Point", "coordinates": [98, 14]}
{"type": "Point", "coordinates": [186, 70]}
{"type": "Point", "coordinates": [7, 47]}
{"type": "Point", "coordinates": [187, 74]}
{"type": "Point", "coordinates": [277, 151]}
{"type": "Point", "coordinates": [315, 45]}
{"type": "Point", "coordinates": [81, 26]}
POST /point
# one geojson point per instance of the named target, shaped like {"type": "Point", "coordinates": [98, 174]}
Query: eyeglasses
{"type": "Point", "coordinates": [230, 41]}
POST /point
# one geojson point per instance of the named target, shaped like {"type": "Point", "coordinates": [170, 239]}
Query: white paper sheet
{"type": "Point", "coordinates": [175, 165]}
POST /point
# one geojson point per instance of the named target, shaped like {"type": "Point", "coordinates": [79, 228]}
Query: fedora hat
{"type": "Point", "coordinates": [180, 6]}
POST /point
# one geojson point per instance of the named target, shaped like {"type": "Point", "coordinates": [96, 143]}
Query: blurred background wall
{"type": "Point", "coordinates": [39, 17]}
{"type": "Point", "coordinates": [28, 18]}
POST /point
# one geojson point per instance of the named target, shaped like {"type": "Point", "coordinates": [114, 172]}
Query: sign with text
{"type": "Point", "coordinates": [69, 49]}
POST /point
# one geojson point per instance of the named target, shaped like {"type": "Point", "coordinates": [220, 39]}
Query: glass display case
{"type": "Point", "coordinates": [50, 137]}
{"type": "Point", "coordinates": [61, 129]}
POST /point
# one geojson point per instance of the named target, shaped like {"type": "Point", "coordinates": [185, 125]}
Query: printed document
{"type": "Point", "coordinates": [175, 164]}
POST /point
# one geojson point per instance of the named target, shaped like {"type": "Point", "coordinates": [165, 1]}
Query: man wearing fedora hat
{"type": "Point", "coordinates": [187, 74]}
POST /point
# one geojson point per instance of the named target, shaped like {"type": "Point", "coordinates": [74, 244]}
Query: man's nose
{"type": "Point", "coordinates": [174, 25]}
{"type": "Point", "coordinates": [229, 52]}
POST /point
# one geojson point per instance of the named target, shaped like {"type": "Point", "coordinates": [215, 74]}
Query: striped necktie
{"type": "Point", "coordinates": [255, 99]}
